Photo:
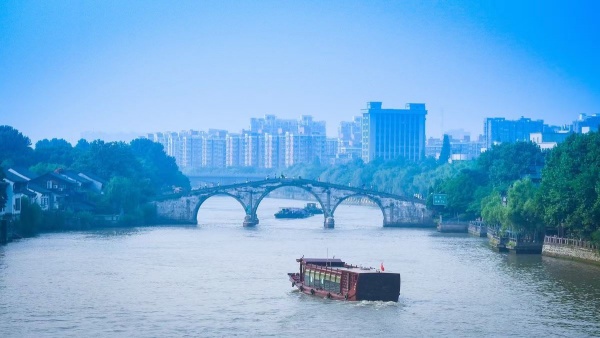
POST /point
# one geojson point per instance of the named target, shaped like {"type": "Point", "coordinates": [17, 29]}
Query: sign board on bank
{"type": "Point", "coordinates": [440, 199]}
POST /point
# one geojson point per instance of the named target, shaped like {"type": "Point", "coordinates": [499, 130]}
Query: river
{"type": "Point", "coordinates": [220, 279]}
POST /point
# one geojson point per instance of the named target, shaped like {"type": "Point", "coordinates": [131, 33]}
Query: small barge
{"type": "Point", "coordinates": [334, 279]}
{"type": "Point", "coordinates": [292, 213]}
{"type": "Point", "coordinates": [309, 210]}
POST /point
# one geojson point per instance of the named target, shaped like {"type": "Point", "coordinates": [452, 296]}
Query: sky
{"type": "Point", "coordinates": [68, 68]}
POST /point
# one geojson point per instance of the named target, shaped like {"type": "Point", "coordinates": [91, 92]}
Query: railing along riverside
{"type": "Point", "coordinates": [569, 241]}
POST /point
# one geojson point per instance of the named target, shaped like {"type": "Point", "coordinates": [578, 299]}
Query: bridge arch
{"type": "Point", "coordinates": [370, 198]}
{"type": "Point", "coordinates": [204, 198]}
{"type": "Point", "coordinates": [303, 187]}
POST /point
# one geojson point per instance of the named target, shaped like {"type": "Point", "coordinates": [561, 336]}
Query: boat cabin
{"type": "Point", "coordinates": [353, 282]}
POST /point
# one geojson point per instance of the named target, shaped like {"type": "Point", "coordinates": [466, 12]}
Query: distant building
{"type": "Point", "coordinates": [499, 130]}
{"type": "Point", "coordinates": [274, 150]}
{"type": "Point", "coordinates": [393, 133]}
{"type": "Point", "coordinates": [254, 150]}
{"type": "Point", "coordinates": [349, 140]}
{"type": "Point", "coordinates": [549, 139]}
{"type": "Point", "coordinates": [460, 149]}
{"type": "Point", "coordinates": [234, 150]}
{"type": "Point", "coordinates": [585, 124]}
{"type": "Point", "coordinates": [214, 149]}
{"type": "Point", "coordinates": [331, 151]}
{"type": "Point", "coordinates": [272, 125]}
{"type": "Point", "coordinates": [301, 148]}
{"type": "Point", "coordinates": [191, 149]}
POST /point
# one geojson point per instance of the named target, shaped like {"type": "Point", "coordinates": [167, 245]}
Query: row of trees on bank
{"type": "Point", "coordinates": [135, 172]}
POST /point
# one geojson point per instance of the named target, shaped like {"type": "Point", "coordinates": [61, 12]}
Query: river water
{"type": "Point", "coordinates": [220, 280]}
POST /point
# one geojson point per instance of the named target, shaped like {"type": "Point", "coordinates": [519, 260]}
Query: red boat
{"type": "Point", "coordinates": [334, 279]}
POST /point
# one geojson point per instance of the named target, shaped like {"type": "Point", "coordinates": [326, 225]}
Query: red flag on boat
{"type": "Point", "coordinates": [382, 268]}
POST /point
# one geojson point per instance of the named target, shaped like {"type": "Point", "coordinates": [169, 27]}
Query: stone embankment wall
{"type": "Point", "coordinates": [571, 249]}
{"type": "Point", "coordinates": [453, 227]}
{"type": "Point", "coordinates": [176, 212]}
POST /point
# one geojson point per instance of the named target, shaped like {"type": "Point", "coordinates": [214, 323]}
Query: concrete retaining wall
{"type": "Point", "coordinates": [453, 227]}
{"type": "Point", "coordinates": [571, 252]}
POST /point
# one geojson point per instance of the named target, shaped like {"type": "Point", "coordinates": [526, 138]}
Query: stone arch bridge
{"type": "Point", "coordinates": [397, 210]}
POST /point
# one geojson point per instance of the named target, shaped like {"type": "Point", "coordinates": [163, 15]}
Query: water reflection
{"type": "Point", "coordinates": [111, 233]}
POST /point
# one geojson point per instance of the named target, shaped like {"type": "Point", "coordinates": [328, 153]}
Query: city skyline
{"type": "Point", "coordinates": [114, 67]}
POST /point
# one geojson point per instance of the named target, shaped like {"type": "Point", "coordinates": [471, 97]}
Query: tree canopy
{"type": "Point", "coordinates": [571, 184]}
{"type": "Point", "coordinates": [15, 148]}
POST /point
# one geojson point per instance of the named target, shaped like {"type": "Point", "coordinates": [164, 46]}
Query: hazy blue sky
{"type": "Point", "coordinates": [141, 66]}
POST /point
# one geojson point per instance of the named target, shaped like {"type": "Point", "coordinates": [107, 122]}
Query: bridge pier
{"type": "Point", "coordinates": [250, 220]}
{"type": "Point", "coordinates": [329, 223]}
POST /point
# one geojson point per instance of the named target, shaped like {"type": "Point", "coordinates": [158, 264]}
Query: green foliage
{"type": "Point", "coordinates": [160, 169]}
{"type": "Point", "coordinates": [15, 149]}
{"type": "Point", "coordinates": [596, 237]}
{"type": "Point", "coordinates": [123, 194]}
{"type": "Point", "coordinates": [56, 151]}
{"type": "Point", "coordinates": [54, 220]}
{"type": "Point", "coordinates": [461, 192]}
{"type": "Point", "coordinates": [508, 162]}
{"type": "Point", "coordinates": [3, 187]}
{"type": "Point", "coordinates": [522, 211]}
{"type": "Point", "coordinates": [42, 168]}
{"type": "Point", "coordinates": [571, 184]}
{"type": "Point", "coordinates": [492, 210]}
{"type": "Point", "coordinates": [108, 160]}
{"type": "Point", "coordinates": [30, 219]}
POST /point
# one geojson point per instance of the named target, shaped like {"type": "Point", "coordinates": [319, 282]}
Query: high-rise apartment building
{"type": "Point", "coordinates": [393, 133]}
{"type": "Point", "coordinates": [274, 150]}
{"type": "Point", "coordinates": [191, 149]}
{"type": "Point", "coordinates": [272, 125]}
{"type": "Point", "coordinates": [234, 150]}
{"type": "Point", "coordinates": [254, 150]}
{"type": "Point", "coordinates": [303, 148]}
{"type": "Point", "coordinates": [214, 149]}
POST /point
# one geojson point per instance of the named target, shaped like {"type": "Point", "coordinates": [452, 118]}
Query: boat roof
{"type": "Point", "coordinates": [341, 265]}
{"type": "Point", "coordinates": [324, 261]}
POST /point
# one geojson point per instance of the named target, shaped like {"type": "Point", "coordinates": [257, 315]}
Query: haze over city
{"type": "Point", "coordinates": [67, 68]}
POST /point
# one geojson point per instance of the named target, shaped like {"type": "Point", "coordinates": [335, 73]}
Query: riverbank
{"type": "Point", "coordinates": [571, 249]}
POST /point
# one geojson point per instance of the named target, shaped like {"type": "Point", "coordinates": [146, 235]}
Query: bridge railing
{"type": "Point", "coordinates": [553, 240]}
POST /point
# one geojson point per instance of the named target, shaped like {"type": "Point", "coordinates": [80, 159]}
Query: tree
{"type": "Point", "coordinates": [3, 187]}
{"type": "Point", "coordinates": [570, 186]}
{"type": "Point", "coordinates": [522, 212]}
{"type": "Point", "coordinates": [492, 210]}
{"type": "Point", "coordinates": [56, 151]}
{"type": "Point", "coordinates": [508, 162]}
{"type": "Point", "coordinates": [461, 192]}
{"type": "Point", "coordinates": [30, 219]}
{"type": "Point", "coordinates": [109, 160]}
{"type": "Point", "coordinates": [15, 149]}
{"type": "Point", "coordinates": [446, 151]}
{"type": "Point", "coordinates": [123, 194]}
{"type": "Point", "coordinates": [160, 168]}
